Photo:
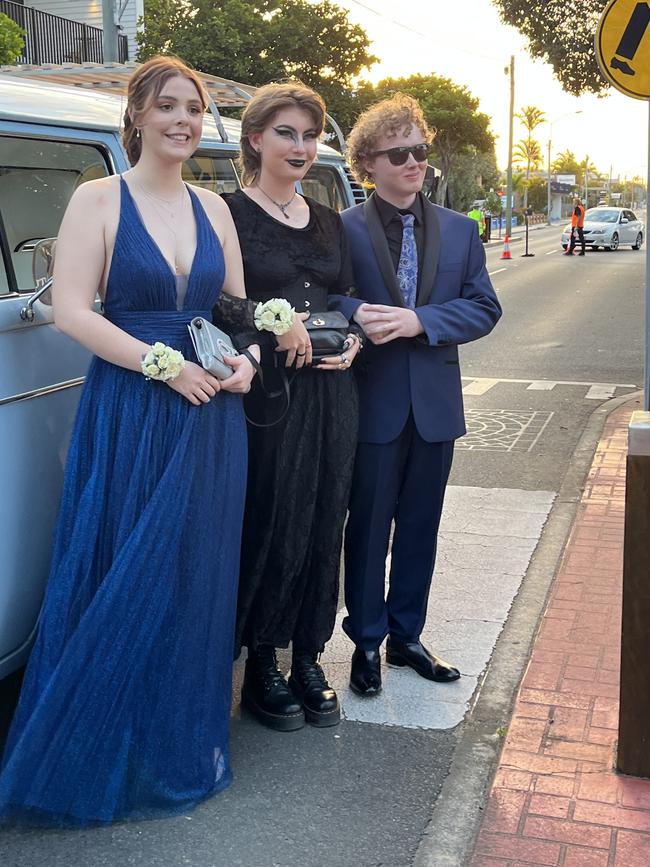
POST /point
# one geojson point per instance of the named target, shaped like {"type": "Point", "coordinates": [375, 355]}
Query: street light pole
{"type": "Point", "coordinates": [548, 164]}
{"type": "Point", "coordinates": [509, 176]}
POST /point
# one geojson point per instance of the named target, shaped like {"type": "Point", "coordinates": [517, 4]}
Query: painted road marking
{"type": "Point", "coordinates": [479, 386]}
{"type": "Point", "coordinates": [550, 252]}
{"type": "Point", "coordinates": [600, 392]}
{"type": "Point", "coordinates": [542, 385]}
{"type": "Point", "coordinates": [487, 538]}
{"type": "Point", "coordinates": [498, 271]}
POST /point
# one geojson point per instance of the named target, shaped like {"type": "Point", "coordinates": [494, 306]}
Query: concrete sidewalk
{"type": "Point", "coordinates": [556, 800]}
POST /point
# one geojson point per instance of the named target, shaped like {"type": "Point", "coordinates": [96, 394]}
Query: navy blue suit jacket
{"type": "Point", "coordinates": [456, 303]}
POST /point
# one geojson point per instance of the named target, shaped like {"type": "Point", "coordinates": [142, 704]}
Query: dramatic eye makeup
{"type": "Point", "coordinates": [290, 132]}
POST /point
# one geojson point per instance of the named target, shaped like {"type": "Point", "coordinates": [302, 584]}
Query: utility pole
{"type": "Point", "coordinates": [587, 181]}
{"type": "Point", "coordinates": [512, 119]}
{"type": "Point", "coordinates": [109, 32]}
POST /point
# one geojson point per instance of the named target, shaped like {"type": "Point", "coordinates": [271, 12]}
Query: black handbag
{"type": "Point", "coordinates": [328, 333]}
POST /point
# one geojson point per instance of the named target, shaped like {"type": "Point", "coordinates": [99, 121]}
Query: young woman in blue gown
{"type": "Point", "coordinates": [125, 707]}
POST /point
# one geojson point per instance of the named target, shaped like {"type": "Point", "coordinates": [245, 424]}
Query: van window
{"type": "Point", "coordinates": [212, 173]}
{"type": "Point", "coordinates": [37, 179]}
{"type": "Point", "coordinates": [324, 184]}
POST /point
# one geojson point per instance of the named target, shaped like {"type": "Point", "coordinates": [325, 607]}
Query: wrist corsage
{"type": "Point", "coordinates": [162, 362]}
{"type": "Point", "coordinates": [275, 315]}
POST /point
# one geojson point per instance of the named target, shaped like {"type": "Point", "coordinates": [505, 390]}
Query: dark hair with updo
{"type": "Point", "coordinates": [145, 85]}
{"type": "Point", "coordinates": [263, 107]}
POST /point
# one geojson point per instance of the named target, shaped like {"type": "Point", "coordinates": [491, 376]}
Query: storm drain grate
{"type": "Point", "coordinates": [502, 430]}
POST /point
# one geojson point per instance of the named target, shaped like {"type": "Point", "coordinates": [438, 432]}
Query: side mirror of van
{"type": "Point", "coordinates": [43, 266]}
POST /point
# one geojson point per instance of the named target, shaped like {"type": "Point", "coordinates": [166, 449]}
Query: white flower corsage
{"type": "Point", "coordinates": [275, 315]}
{"type": "Point", "coordinates": [162, 362]}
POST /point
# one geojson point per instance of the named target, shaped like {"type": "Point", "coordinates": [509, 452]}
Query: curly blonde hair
{"type": "Point", "coordinates": [385, 118]}
{"type": "Point", "coordinates": [262, 109]}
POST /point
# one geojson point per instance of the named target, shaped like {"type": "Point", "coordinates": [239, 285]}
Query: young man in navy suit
{"type": "Point", "coordinates": [420, 270]}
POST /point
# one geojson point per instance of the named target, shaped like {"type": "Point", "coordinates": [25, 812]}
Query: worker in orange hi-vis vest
{"type": "Point", "coordinates": [577, 227]}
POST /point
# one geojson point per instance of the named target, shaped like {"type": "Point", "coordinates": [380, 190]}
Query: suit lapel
{"type": "Point", "coordinates": [431, 253]}
{"type": "Point", "coordinates": [382, 253]}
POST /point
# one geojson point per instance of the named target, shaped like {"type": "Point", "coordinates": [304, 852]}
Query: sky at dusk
{"type": "Point", "coordinates": [465, 41]}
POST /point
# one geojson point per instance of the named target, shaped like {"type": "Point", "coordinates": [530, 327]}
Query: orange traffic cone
{"type": "Point", "coordinates": [506, 248]}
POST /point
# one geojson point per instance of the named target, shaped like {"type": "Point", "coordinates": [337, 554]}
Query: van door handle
{"type": "Point", "coordinates": [27, 313]}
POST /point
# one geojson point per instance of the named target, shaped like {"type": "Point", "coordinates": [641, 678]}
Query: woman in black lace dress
{"type": "Point", "coordinates": [299, 469]}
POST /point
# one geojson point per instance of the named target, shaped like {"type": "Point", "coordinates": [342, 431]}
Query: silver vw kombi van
{"type": "Point", "coordinates": [53, 137]}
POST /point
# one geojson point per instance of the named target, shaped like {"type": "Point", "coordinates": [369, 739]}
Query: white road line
{"type": "Point", "coordinates": [498, 271]}
{"type": "Point", "coordinates": [550, 252]}
{"type": "Point", "coordinates": [556, 382]}
{"type": "Point", "coordinates": [542, 385]}
{"type": "Point", "coordinates": [599, 391]}
{"type": "Point", "coordinates": [479, 386]}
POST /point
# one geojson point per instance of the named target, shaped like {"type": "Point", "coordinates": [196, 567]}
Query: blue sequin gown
{"type": "Point", "coordinates": [125, 707]}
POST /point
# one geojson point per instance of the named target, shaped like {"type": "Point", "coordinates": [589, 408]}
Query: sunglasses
{"type": "Point", "coordinates": [398, 156]}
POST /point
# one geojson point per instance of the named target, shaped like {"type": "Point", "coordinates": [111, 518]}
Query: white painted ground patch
{"type": "Point", "coordinates": [486, 541]}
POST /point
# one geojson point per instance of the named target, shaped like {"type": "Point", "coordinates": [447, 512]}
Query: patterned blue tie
{"type": "Point", "coordinates": [407, 269]}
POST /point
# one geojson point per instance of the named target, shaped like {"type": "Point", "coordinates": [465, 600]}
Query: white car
{"type": "Point", "coordinates": [609, 228]}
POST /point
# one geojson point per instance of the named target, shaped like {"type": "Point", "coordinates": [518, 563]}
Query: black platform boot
{"type": "Point", "coordinates": [266, 694]}
{"type": "Point", "coordinates": [309, 683]}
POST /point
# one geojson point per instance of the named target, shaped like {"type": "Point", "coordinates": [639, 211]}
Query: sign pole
{"type": "Point", "coordinates": [623, 54]}
{"type": "Point", "coordinates": [646, 378]}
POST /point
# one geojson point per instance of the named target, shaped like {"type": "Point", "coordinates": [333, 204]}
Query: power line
{"type": "Point", "coordinates": [422, 35]}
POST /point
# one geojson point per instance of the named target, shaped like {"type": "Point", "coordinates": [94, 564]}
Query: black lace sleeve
{"type": "Point", "coordinates": [235, 316]}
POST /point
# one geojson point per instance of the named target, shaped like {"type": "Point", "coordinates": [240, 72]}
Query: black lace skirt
{"type": "Point", "coordinates": [298, 487]}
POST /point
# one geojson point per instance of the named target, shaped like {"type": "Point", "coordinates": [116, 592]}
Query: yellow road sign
{"type": "Point", "coordinates": [623, 46]}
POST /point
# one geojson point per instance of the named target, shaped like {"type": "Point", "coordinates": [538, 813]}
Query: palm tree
{"type": "Point", "coordinates": [529, 150]}
{"type": "Point", "coordinates": [531, 117]}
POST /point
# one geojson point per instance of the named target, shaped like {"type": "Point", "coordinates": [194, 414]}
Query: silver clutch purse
{"type": "Point", "coordinates": [210, 345]}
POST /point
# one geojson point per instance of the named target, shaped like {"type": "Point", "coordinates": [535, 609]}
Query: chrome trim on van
{"type": "Point", "coordinates": [39, 392]}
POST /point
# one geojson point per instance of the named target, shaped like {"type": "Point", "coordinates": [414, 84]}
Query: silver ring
{"type": "Point", "coordinates": [344, 358]}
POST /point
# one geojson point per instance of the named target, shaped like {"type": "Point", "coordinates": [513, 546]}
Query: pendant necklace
{"type": "Point", "coordinates": [281, 205]}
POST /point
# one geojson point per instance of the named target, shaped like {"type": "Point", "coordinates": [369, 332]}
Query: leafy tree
{"type": "Point", "coordinates": [561, 32]}
{"type": "Point", "coordinates": [493, 203]}
{"type": "Point", "coordinates": [11, 40]}
{"type": "Point", "coordinates": [538, 194]}
{"type": "Point", "coordinates": [452, 111]}
{"type": "Point", "coordinates": [473, 174]}
{"type": "Point", "coordinates": [256, 41]}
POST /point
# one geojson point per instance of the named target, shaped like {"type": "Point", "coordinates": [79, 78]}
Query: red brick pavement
{"type": "Point", "coordinates": [556, 800]}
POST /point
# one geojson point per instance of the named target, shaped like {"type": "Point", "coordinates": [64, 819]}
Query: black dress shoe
{"type": "Point", "coordinates": [365, 673]}
{"type": "Point", "coordinates": [308, 682]}
{"type": "Point", "coordinates": [416, 656]}
{"type": "Point", "coordinates": [266, 694]}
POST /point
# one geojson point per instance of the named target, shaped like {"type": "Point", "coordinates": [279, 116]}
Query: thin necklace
{"type": "Point", "coordinates": [281, 205]}
{"type": "Point", "coordinates": [167, 219]}
{"type": "Point", "coordinates": [165, 203]}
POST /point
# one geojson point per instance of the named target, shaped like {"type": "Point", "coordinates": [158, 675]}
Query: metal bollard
{"type": "Point", "coordinates": [634, 721]}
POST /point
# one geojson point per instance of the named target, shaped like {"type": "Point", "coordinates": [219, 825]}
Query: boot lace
{"type": "Point", "coordinates": [310, 673]}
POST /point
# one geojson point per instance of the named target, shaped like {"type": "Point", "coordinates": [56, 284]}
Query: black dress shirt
{"type": "Point", "coordinates": [394, 228]}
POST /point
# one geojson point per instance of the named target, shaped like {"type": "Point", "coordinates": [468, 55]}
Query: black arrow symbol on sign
{"type": "Point", "coordinates": [631, 38]}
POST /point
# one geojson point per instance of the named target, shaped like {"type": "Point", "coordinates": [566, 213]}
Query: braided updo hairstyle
{"type": "Point", "coordinates": [144, 86]}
